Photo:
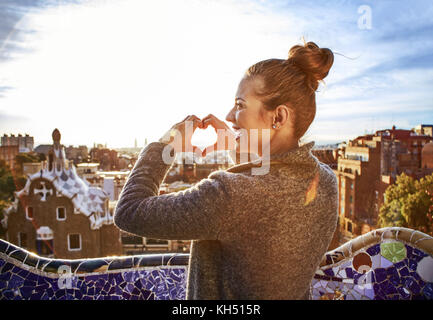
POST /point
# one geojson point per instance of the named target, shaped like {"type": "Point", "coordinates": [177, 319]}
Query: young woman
{"type": "Point", "coordinates": [255, 236]}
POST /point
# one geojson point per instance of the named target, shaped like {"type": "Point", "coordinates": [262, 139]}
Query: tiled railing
{"type": "Point", "coordinates": [389, 263]}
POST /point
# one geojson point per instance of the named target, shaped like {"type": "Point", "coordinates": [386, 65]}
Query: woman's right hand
{"type": "Point", "coordinates": [226, 137]}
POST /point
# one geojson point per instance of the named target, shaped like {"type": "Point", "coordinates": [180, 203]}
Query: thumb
{"type": "Point", "coordinates": [209, 149]}
{"type": "Point", "coordinates": [197, 151]}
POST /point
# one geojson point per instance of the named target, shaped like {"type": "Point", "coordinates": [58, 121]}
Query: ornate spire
{"type": "Point", "coordinates": [58, 151]}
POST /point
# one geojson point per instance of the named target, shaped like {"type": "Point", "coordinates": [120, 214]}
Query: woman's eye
{"type": "Point", "coordinates": [238, 106]}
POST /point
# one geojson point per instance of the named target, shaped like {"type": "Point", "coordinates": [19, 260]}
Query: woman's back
{"type": "Point", "coordinates": [279, 227]}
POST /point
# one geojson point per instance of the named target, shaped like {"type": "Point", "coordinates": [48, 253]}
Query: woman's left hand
{"type": "Point", "coordinates": [179, 136]}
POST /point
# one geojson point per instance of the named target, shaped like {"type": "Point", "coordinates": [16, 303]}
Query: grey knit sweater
{"type": "Point", "coordinates": [254, 236]}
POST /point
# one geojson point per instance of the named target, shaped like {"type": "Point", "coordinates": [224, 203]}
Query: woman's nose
{"type": "Point", "coordinates": [230, 117]}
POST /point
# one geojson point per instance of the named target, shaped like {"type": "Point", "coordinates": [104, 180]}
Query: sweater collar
{"type": "Point", "coordinates": [300, 154]}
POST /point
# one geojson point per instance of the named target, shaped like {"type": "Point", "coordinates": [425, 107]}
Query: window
{"type": "Point", "coordinates": [74, 242]}
{"type": "Point", "coordinates": [44, 247]}
{"type": "Point", "coordinates": [350, 199]}
{"type": "Point", "coordinates": [61, 213]}
{"type": "Point", "coordinates": [22, 239]}
{"type": "Point", "coordinates": [349, 227]}
{"type": "Point", "coordinates": [342, 210]}
{"type": "Point", "coordinates": [29, 213]}
{"type": "Point", "coordinates": [351, 186]}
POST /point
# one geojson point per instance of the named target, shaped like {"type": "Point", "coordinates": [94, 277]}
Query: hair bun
{"type": "Point", "coordinates": [314, 61]}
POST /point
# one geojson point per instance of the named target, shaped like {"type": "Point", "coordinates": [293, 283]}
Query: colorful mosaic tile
{"type": "Point", "coordinates": [386, 264]}
{"type": "Point", "coordinates": [389, 263]}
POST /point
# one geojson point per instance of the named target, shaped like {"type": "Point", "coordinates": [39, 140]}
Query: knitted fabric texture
{"type": "Point", "coordinates": [254, 236]}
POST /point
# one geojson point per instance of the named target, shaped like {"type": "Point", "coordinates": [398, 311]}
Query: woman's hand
{"type": "Point", "coordinates": [179, 136]}
{"type": "Point", "coordinates": [226, 138]}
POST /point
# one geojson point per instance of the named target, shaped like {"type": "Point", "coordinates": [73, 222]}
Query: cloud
{"type": "Point", "coordinates": [4, 89]}
{"type": "Point", "coordinates": [126, 69]}
{"type": "Point", "coordinates": [13, 25]}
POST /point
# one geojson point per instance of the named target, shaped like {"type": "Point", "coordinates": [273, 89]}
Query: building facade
{"type": "Point", "coordinates": [25, 143]}
{"type": "Point", "coordinates": [367, 166]}
{"type": "Point", "coordinates": [426, 129]}
{"type": "Point", "coordinates": [77, 154]}
{"type": "Point", "coordinates": [106, 158]}
{"type": "Point", "coordinates": [57, 214]}
{"type": "Point", "coordinates": [8, 154]}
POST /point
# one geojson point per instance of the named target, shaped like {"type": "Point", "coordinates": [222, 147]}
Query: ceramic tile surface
{"type": "Point", "coordinates": [389, 263]}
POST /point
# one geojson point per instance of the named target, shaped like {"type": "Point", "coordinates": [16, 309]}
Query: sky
{"type": "Point", "coordinates": [112, 71]}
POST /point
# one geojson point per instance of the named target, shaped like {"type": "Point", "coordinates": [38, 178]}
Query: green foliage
{"type": "Point", "coordinates": [3, 206]}
{"type": "Point", "coordinates": [408, 203]}
{"type": "Point", "coordinates": [7, 185]}
{"type": "Point", "coordinates": [22, 158]}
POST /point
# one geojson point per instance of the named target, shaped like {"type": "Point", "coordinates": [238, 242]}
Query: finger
{"type": "Point", "coordinates": [207, 122]}
{"type": "Point", "coordinates": [208, 150]}
{"type": "Point", "coordinates": [194, 118]}
{"type": "Point", "coordinates": [209, 116]}
{"type": "Point", "coordinates": [197, 151]}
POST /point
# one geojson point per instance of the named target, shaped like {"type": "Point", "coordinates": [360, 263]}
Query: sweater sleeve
{"type": "Point", "coordinates": [195, 213]}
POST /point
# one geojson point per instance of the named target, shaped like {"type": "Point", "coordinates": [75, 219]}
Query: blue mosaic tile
{"type": "Point", "coordinates": [373, 250]}
{"type": "Point", "coordinates": [329, 272]}
{"type": "Point", "coordinates": [127, 280]}
{"type": "Point", "coordinates": [428, 291]}
{"type": "Point", "coordinates": [380, 274]}
{"type": "Point", "coordinates": [412, 285]}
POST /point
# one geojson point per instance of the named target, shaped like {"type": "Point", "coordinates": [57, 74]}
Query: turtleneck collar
{"type": "Point", "coordinates": [300, 154]}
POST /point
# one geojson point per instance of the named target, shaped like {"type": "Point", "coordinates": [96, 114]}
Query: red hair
{"type": "Point", "coordinates": [293, 82]}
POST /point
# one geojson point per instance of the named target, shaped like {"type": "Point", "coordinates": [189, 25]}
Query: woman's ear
{"type": "Point", "coordinates": [283, 114]}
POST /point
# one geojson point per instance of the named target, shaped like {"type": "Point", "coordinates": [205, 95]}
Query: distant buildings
{"type": "Point", "coordinates": [426, 129]}
{"type": "Point", "coordinates": [12, 145]}
{"type": "Point", "coordinates": [328, 156]}
{"type": "Point", "coordinates": [427, 157]}
{"type": "Point", "coordinates": [77, 154]}
{"type": "Point", "coordinates": [367, 165]}
{"type": "Point", "coordinates": [111, 182]}
{"type": "Point", "coordinates": [106, 158]}
{"type": "Point", "coordinates": [24, 143]}
{"type": "Point", "coordinates": [8, 154]}
{"type": "Point", "coordinates": [43, 148]}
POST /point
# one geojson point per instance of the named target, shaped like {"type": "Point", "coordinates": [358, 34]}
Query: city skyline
{"type": "Point", "coordinates": [145, 66]}
{"type": "Point", "coordinates": [138, 144]}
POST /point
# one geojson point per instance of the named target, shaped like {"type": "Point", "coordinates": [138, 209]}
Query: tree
{"type": "Point", "coordinates": [22, 158]}
{"type": "Point", "coordinates": [409, 203]}
{"type": "Point", "coordinates": [3, 206]}
{"type": "Point", "coordinates": [7, 185]}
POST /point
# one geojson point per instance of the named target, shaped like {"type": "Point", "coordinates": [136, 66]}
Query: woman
{"type": "Point", "coordinates": [256, 236]}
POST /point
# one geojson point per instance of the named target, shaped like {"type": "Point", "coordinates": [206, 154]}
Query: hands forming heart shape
{"type": "Point", "coordinates": [180, 135]}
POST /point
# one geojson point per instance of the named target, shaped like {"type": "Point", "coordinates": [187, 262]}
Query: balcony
{"type": "Point", "coordinates": [388, 263]}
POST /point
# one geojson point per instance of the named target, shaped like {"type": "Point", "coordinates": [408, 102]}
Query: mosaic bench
{"type": "Point", "coordinates": [388, 263]}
